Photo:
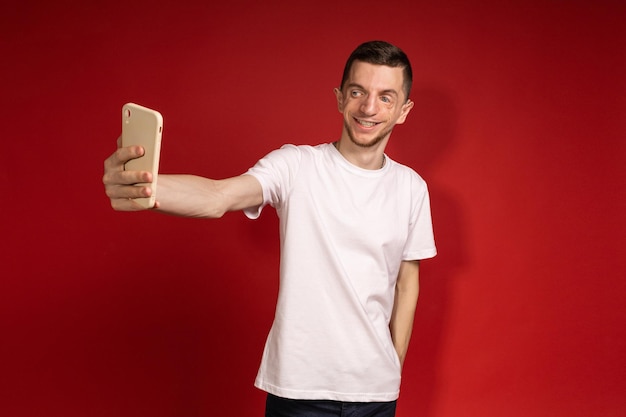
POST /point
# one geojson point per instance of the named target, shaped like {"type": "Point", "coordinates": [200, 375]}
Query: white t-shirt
{"type": "Point", "coordinates": [344, 232]}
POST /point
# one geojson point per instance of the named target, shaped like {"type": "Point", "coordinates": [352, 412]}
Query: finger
{"type": "Point", "coordinates": [125, 192]}
{"type": "Point", "coordinates": [121, 156]}
{"type": "Point", "coordinates": [136, 150]}
{"type": "Point", "coordinates": [116, 177]}
{"type": "Point", "coordinates": [126, 205]}
{"type": "Point", "coordinates": [126, 153]}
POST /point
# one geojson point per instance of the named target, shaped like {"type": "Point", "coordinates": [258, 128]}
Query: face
{"type": "Point", "coordinates": [372, 102]}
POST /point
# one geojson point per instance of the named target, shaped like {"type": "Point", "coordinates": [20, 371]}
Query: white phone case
{"type": "Point", "coordinates": [143, 126]}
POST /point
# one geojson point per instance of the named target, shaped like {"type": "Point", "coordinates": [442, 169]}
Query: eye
{"type": "Point", "coordinates": [385, 99]}
{"type": "Point", "coordinates": [355, 93]}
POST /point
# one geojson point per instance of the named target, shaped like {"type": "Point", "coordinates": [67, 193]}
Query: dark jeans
{"type": "Point", "coordinates": [283, 407]}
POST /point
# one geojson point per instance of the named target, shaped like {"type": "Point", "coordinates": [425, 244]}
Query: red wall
{"type": "Point", "coordinates": [519, 128]}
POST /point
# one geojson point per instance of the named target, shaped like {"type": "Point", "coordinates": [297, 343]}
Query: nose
{"type": "Point", "coordinates": [368, 105]}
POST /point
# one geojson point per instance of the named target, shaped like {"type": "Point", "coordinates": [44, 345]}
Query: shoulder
{"type": "Point", "coordinates": [287, 160]}
{"type": "Point", "coordinates": [291, 149]}
{"type": "Point", "coordinates": [297, 152]}
{"type": "Point", "coordinates": [306, 149]}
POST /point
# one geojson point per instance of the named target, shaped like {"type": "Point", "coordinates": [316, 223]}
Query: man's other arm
{"type": "Point", "coordinates": [405, 303]}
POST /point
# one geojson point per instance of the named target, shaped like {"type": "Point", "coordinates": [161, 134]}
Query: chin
{"type": "Point", "coordinates": [369, 144]}
{"type": "Point", "coordinates": [366, 142]}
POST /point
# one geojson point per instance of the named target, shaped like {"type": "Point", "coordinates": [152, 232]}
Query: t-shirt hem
{"type": "Point", "coordinates": [254, 213]}
{"type": "Point", "coordinates": [418, 255]}
{"type": "Point", "coordinates": [325, 394]}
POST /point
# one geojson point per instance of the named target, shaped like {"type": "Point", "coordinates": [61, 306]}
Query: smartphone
{"type": "Point", "coordinates": [143, 126]}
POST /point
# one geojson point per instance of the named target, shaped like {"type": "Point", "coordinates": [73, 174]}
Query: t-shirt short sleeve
{"type": "Point", "coordinates": [275, 172]}
{"type": "Point", "coordinates": [420, 242]}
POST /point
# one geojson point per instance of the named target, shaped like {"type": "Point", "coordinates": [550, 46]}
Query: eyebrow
{"type": "Point", "coordinates": [359, 86]}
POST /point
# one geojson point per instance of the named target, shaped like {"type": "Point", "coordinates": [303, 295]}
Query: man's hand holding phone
{"type": "Point", "coordinates": [120, 184]}
{"type": "Point", "coordinates": [131, 173]}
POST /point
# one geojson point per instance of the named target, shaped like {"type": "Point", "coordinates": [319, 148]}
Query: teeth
{"type": "Point", "coordinates": [366, 124]}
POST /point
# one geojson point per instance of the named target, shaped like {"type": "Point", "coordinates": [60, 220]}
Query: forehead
{"type": "Point", "coordinates": [376, 77]}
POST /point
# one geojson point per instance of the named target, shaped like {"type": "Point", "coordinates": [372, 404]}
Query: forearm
{"type": "Point", "coordinates": [405, 303]}
{"type": "Point", "coordinates": [194, 196]}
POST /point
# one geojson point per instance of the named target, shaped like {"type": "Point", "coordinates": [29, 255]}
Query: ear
{"type": "Point", "coordinates": [406, 108]}
{"type": "Point", "coordinates": [339, 96]}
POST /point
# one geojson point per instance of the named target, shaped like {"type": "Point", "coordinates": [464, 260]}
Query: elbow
{"type": "Point", "coordinates": [215, 211]}
{"type": "Point", "coordinates": [216, 214]}
{"type": "Point", "coordinates": [208, 213]}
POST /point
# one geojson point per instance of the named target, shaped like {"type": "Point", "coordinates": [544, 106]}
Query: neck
{"type": "Point", "coordinates": [362, 157]}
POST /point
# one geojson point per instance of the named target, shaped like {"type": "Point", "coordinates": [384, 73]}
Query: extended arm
{"type": "Point", "coordinates": [407, 292]}
{"type": "Point", "coordinates": [192, 196]}
{"type": "Point", "coordinates": [183, 195]}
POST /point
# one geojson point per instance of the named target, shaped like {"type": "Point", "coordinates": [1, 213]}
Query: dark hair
{"type": "Point", "coordinates": [381, 53]}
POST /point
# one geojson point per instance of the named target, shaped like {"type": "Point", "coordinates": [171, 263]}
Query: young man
{"type": "Point", "coordinates": [353, 226]}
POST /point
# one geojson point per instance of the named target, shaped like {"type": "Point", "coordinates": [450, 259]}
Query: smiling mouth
{"type": "Point", "coordinates": [365, 123]}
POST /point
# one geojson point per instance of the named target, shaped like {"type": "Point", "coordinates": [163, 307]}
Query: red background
{"type": "Point", "coordinates": [519, 128]}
